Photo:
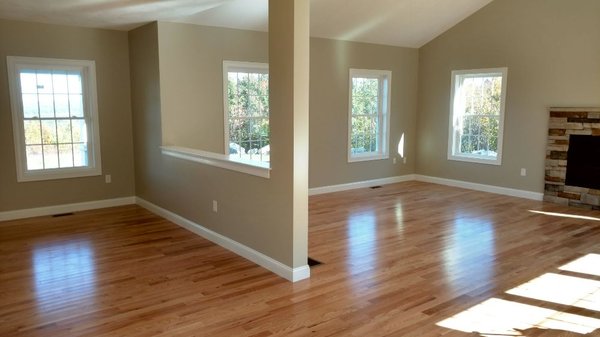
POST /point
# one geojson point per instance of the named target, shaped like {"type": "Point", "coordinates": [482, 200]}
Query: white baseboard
{"type": "Point", "coordinates": [291, 274]}
{"type": "Point", "coordinates": [360, 184]}
{"type": "Point", "coordinates": [481, 187]}
{"type": "Point", "coordinates": [66, 208]}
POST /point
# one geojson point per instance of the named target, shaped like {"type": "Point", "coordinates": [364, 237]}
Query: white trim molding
{"type": "Point", "coordinates": [360, 184]}
{"type": "Point", "coordinates": [66, 208]}
{"type": "Point", "coordinates": [291, 274]}
{"type": "Point", "coordinates": [481, 187]}
{"type": "Point", "coordinates": [256, 168]}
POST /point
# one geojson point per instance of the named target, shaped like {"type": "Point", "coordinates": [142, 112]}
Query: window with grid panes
{"type": "Point", "coordinates": [246, 102]}
{"type": "Point", "coordinates": [55, 122]}
{"type": "Point", "coordinates": [369, 114]}
{"type": "Point", "coordinates": [477, 115]}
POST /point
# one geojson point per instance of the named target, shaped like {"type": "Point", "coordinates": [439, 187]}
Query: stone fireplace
{"type": "Point", "coordinates": [580, 186]}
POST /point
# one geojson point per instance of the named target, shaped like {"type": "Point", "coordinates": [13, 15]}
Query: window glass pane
{"type": "Point", "coordinates": [28, 82]}
{"type": "Point", "coordinates": [54, 121]}
{"type": "Point", "coordinates": [74, 82]}
{"type": "Point", "coordinates": [48, 132]}
{"type": "Point", "coordinates": [46, 102]}
{"type": "Point", "coordinates": [64, 131]}
{"type": "Point", "coordinates": [79, 131]}
{"type": "Point", "coordinates": [30, 106]}
{"type": "Point", "coordinates": [477, 105]}
{"type": "Point", "coordinates": [32, 132]}
{"type": "Point", "coordinates": [248, 111]}
{"type": "Point", "coordinates": [80, 155]}
{"type": "Point", "coordinates": [44, 82]}
{"type": "Point", "coordinates": [35, 160]}
{"type": "Point", "coordinates": [61, 105]}
{"type": "Point", "coordinates": [59, 82]}
{"type": "Point", "coordinates": [76, 105]}
{"type": "Point", "coordinates": [50, 156]}
{"type": "Point", "coordinates": [66, 155]}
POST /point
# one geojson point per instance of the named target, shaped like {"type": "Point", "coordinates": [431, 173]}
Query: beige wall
{"type": "Point", "coordinates": [552, 53]}
{"type": "Point", "coordinates": [254, 211]}
{"type": "Point", "coordinates": [191, 80]}
{"type": "Point", "coordinates": [191, 62]}
{"type": "Point", "coordinates": [329, 64]}
{"type": "Point", "coordinates": [109, 50]}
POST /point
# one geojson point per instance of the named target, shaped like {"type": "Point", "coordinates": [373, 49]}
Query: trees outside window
{"type": "Point", "coordinates": [369, 113]}
{"type": "Point", "coordinates": [246, 91]}
{"type": "Point", "coordinates": [477, 115]}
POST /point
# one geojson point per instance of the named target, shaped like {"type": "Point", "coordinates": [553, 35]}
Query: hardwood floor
{"type": "Point", "coordinates": [410, 259]}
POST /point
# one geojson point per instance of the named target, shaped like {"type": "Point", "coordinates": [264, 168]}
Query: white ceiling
{"type": "Point", "coordinates": [407, 23]}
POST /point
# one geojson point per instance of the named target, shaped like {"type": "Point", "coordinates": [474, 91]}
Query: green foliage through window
{"type": "Point", "coordinates": [477, 112]}
{"type": "Point", "coordinates": [369, 90]}
{"type": "Point", "coordinates": [248, 115]}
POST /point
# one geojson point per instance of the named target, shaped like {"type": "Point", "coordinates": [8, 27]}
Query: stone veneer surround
{"type": "Point", "coordinates": [563, 123]}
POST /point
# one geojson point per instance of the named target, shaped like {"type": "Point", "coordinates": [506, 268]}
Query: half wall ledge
{"type": "Point", "coordinates": [227, 162]}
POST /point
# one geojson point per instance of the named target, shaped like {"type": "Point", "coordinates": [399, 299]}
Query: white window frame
{"type": "Point", "coordinates": [237, 66]}
{"type": "Point", "coordinates": [90, 113]}
{"type": "Point", "coordinates": [384, 111]}
{"type": "Point", "coordinates": [453, 142]}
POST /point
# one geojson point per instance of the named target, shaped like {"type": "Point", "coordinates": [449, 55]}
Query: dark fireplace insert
{"type": "Point", "coordinates": [583, 161]}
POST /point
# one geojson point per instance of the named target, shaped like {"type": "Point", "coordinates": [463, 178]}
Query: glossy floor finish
{"type": "Point", "coordinates": [410, 259]}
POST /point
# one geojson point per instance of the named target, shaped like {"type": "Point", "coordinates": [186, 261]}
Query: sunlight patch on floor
{"type": "Point", "coordinates": [562, 289]}
{"type": "Point", "coordinates": [565, 215]}
{"type": "Point", "coordinates": [589, 264]}
{"type": "Point", "coordinates": [498, 317]}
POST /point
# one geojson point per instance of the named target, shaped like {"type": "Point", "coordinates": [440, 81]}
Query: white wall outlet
{"type": "Point", "coordinates": [394, 160]}
{"type": "Point", "coordinates": [404, 160]}
{"type": "Point", "coordinates": [523, 172]}
{"type": "Point", "coordinates": [215, 206]}
{"type": "Point", "coordinates": [107, 179]}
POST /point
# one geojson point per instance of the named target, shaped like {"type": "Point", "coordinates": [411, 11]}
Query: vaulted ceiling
{"type": "Point", "coordinates": [406, 23]}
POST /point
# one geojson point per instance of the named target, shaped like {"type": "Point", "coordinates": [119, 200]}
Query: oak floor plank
{"type": "Point", "coordinates": [397, 261]}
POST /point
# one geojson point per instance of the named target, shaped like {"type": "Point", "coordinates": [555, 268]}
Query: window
{"type": "Point", "coordinates": [369, 114]}
{"type": "Point", "coordinates": [246, 91]}
{"type": "Point", "coordinates": [55, 122]}
{"type": "Point", "coordinates": [477, 115]}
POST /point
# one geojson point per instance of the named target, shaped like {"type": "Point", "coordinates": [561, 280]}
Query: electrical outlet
{"type": "Point", "coordinates": [394, 160]}
{"type": "Point", "coordinates": [523, 172]}
{"type": "Point", "coordinates": [107, 179]}
{"type": "Point", "coordinates": [215, 206]}
{"type": "Point", "coordinates": [404, 160]}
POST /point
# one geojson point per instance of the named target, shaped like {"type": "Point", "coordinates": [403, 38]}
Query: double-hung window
{"type": "Point", "coordinates": [55, 119]}
{"type": "Point", "coordinates": [369, 114]}
{"type": "Point", "coordinates": [477, 115]}
{"type": "Point", "coordinates": [246, 102]}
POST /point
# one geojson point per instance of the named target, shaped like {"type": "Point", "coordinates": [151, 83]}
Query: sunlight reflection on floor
{"type": "Point", "coordinates": [62, 272]}
{"type": "Point", "coordinates": [589, 264]}
{"type": "Point", "coordinates": [500, 317]}
{"type": "Point", "coordinates": [562, 289]}
{"type": "Point", "coordinates": [565, 215]}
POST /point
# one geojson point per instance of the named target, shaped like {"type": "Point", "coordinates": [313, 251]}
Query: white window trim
{"type": "Point", "coordinates": [90, 101]}
{"type": "Point", "coordinates": [228, 66]}
{"type": "Point", "coordinates": [385, 108]}
{"type": "Point", "coordinates": [469, 157]}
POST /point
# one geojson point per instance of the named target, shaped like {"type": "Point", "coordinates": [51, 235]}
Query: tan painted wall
{"type": "Point", "coordinates": [109, 50]}
{"type": "Point", "coordinates": [329, 64]}
{"type": "Point", "coordinates": [254, 211]}
{"type": "Point", "coordinates": [193, 84]}
{"type": "Point", "coordinates": [192, 104]}
{"type": "Point", "coordinates": [552, 51]}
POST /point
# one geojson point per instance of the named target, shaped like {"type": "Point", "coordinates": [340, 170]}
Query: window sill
{"type": "Point", "coordinates": [367, 158]}
{"type": "Point", "coordinates": [254, 168]}
{"type": "Point", "coordinates": [474, 159]}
